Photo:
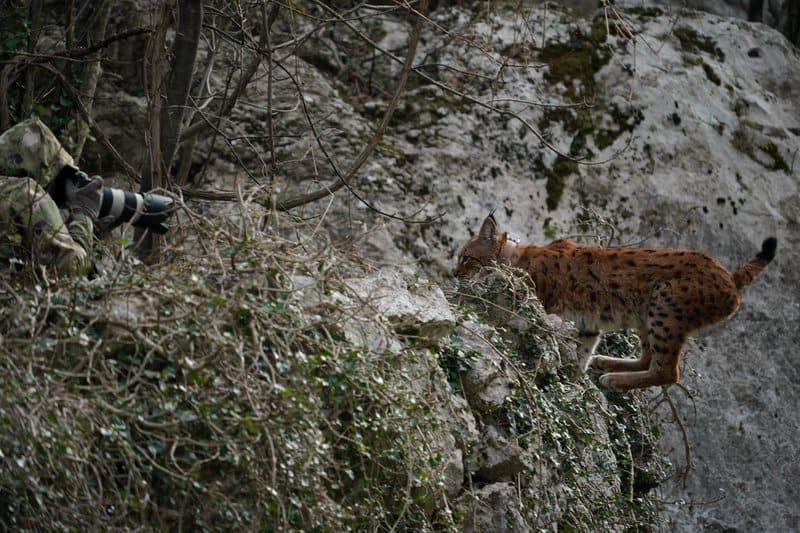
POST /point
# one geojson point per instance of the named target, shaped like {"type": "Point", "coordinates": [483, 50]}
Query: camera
{"type": "Point", "coordinates": [148, 210]}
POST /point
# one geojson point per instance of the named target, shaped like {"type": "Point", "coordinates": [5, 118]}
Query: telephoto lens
{"type": "Point", "coordinates": [117, 207]}
{"type": "Point", "coordinates": [141, 210]}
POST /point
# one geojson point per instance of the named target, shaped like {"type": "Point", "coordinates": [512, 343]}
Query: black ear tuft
{"type": "Point", "coordinates": [768, 248]}
{"type": "Point", "coordinates": [488, 230]}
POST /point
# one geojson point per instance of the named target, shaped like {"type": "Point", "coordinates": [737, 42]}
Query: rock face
{"type": "Point", "coordinates": [725, 8]}
{"type": "Point", "coordinates": [779, 14]}
{"type": "Point", "coordinates": [497, 458]}
{"type": "Point", "coordinates": [486, 383]}
{"type": "Point", "coordinates": [701, 131]}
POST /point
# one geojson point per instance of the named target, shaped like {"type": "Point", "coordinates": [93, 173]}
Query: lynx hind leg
{"type": "Point", "coordinates": [663, 370]}
{"type": "Point", "coordinates": [604, 364]}
{"type": "Point", "coordinates": [587, 342]}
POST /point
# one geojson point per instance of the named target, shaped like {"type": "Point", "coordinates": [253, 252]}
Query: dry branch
{"type": "Point", "coordinates": [286, 203]}
{"type": "Point", "coordinates": [202, 127]}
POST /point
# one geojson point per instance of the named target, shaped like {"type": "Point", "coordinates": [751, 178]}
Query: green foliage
{"type": "Point", "coordinates": [454, 360]}
{"type": "Point", "coordinates": [200, 393]}
{"type": "Point", "coordinates": [14, 25]}
{"type": "Point", "coordinates": [210, 392]}
{"type": "Point", "coordinates": [56, 107]}
{"type": "Point", "coordinates": [60, 113]}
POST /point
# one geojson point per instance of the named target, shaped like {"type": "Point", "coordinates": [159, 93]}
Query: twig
{"type": "Point", "coordinates": [686, 447]}
{"type": "Point", "coordinates": [287, 203]}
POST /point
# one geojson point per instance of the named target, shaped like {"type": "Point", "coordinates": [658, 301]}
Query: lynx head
{"type": "Point", "coordinates": [481, 250]}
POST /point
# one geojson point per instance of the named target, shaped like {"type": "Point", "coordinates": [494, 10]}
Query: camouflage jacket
{"type": "Point", "coordinates": [31, 225]}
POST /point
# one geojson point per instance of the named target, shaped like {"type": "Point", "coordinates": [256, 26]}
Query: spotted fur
{"type": "Point", "coordinates": [664, 294]}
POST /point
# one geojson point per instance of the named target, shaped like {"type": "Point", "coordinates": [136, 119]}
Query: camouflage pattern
{"type": "Point", "coordinates": [31, 149]}
{"type": "Point", "coordinates": [31, 225]}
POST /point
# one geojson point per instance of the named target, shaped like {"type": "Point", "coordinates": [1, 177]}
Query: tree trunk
{"type": "Point", "coordinates": [154, 72]}
{"type": "Point", "coordinates": [184, 53]}
{"type": "Point", "coordinates": [789, 24]}
{"type": "Point", "coordinates": [755, 11]}
{"type": "Point", "coordinates": [92, 71]}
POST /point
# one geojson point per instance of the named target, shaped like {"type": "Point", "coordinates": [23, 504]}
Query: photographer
{"type": "Point", "coordinates": [37, 179]}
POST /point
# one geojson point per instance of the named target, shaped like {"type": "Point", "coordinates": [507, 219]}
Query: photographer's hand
{"type": "Point", "coordinates": [85, 199]}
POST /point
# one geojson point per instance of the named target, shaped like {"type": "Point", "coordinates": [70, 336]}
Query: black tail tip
{"type": "Point", "coordinates": [768, 248]}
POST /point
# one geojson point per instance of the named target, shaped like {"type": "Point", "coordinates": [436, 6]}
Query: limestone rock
{"type": "Point", "coordinates": [565, 339]}
{"type": "Point", "coordinates": [417, 308]}
{"type": "Point", "coordinates": [495, 509]}
{"type": "Point", "coordinates": [370, 333]}
{"type": "Point", "coordinates": [497, 457]}
{"type": "Point", "coordinates": [123, 118]}
{"type": "Point", "coordinates": [123, 314]}
{"type": "Point", "coordinates": [453, 469]}
{"type": "Point", "coordinates": [462, 422]}
{"type": "Point", "coordinates": [486, 383]}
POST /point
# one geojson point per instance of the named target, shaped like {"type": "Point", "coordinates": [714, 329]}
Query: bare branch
{"type": "Point", "coordinates": [227, 106]}
{"type": "Point", "coordinates": [286, 203]}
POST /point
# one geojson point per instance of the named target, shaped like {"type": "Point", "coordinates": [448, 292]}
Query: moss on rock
{"type": "Point", "coordinates": [778, 162]}
{"type": "Point", "coordinates": [694, 42]}
{"type": "Point", "coordinates": [742, 139]}
{"type": "Point", "coordinates": [710, 74]}
{"type": "Point", "coordinates": [556, 180]}
{"type": "Point", "coordinates": [645, 11]}
{"type": "Point", "coordinates": [578, 59]}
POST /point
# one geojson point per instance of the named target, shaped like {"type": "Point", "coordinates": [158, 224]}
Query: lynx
{"type": "Point", "coordinates": [663, 293]}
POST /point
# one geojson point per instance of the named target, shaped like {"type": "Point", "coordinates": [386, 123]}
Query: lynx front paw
{"type": "Point", "coordinates": [612, 382]}
{"type": "Point", "coordinates": [595, 365]}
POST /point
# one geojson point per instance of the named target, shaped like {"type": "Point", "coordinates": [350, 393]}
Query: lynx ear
{"type": "Point", "coordinates": [488, 230]}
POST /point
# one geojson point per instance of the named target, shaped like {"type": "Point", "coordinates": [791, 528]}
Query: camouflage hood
{"type": "Point", "coordinates": [30, 149]}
